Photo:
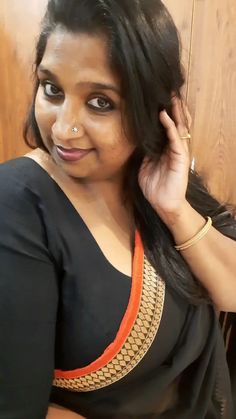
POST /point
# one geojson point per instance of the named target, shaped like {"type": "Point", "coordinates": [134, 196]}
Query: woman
{"type": "Point", "coordinates": [110, 267]}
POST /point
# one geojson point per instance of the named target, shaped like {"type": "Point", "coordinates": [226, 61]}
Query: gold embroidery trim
{"type": "Point", "coordinates": [137, 343]}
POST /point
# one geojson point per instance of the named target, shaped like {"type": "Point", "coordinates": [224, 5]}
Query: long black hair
{"type": "Point", "coordinates": [145, 51]}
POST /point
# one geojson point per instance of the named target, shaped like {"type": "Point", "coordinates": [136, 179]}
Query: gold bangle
{"type": "Point", "coordinates": [197, 237]}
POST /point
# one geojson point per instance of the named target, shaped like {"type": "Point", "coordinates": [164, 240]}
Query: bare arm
{"type": "Point", "coordinates": [164, 184]}
{"type": "Point", "coordinates": [212, 259]}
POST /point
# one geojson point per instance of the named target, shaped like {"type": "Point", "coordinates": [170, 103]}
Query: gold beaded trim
{"type": "Point", "coordinates": [137, 343]}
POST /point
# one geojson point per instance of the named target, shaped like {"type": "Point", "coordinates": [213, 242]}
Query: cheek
{"type": "Point", "coordinates": [120, 146]}
{"type": "Point", "coordinates": [110, 134]}
{"type": "Point", "coordinates": [117, 148]}
{"type": "Point", "coordinates": [43, 115]}
{"type": "Point", "coordinates": [114, 148]}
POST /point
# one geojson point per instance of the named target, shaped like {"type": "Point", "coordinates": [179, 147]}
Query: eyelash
{"type": "Point", "coordinates": [55, 97]}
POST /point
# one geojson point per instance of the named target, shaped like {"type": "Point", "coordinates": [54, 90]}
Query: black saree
{"type": "Point", "coordinates": [191, 382]}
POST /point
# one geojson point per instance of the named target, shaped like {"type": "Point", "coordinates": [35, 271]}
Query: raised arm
{"type": "Point", "coordinates": [211, 259]}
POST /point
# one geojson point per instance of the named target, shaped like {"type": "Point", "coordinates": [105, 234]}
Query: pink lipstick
{"type": "Point", "coordinates": [71, 154]}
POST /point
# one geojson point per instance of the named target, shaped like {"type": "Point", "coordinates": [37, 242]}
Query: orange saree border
{"type": "Point", "coordinates": [127, 322]}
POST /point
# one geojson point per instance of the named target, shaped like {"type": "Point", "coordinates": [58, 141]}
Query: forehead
{"type": "Point", "coordinates": [78, 54]}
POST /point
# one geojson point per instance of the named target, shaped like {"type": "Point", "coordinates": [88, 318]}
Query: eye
{"type": "Point", "coordinates": [50, 90]}
{"type": "Point", "coordinates": [101, 104]}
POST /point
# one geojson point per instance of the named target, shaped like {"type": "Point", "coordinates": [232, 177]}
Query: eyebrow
{"type": "Point", "coordinates": [94, 85]}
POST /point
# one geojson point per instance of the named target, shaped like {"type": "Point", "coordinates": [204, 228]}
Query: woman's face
{"type": "Point", "coordinates": [78, 89]}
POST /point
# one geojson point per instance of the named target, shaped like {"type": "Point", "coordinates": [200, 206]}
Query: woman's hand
{"type": "Point", "coordinates": [164, 184]}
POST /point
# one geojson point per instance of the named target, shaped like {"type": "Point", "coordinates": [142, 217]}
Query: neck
{"type": "Point", "coordinates": [109, 199]}
{"type": "Point", "coordinates": [107, 195]}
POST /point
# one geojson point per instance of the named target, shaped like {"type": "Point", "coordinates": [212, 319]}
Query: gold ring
{"type": "Point", "coordinates": [187, 137]}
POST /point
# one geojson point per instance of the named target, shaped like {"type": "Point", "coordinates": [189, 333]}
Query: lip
{"type": "Point", "coordinates": [72, 154]}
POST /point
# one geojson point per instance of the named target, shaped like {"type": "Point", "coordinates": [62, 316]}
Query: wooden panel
{"type": "Point", "coordinates": [182, 13]}
{"type": "Point", "coordinates": [212, 94]}
{"type": "Point", "coordinates": [19, 23]}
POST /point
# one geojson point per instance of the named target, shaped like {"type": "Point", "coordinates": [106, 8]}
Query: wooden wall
{"type": "Point", "coordinates": [19, 24]}
{"type": "Point", "coordinates": [208, 31]}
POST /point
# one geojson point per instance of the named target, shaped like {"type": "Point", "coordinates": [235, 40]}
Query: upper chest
{"type": "Point", "coordinates": [110, 227]}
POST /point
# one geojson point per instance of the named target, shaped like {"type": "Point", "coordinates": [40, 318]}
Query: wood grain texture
{"type": "Point", "coordinates": [212, 94]}
{"type": "Point", "coordinates": [182, 13]}
{"type": "Point", "coordinates": [19, 23]}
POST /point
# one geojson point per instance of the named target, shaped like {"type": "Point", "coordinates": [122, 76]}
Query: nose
{"type": "Point", "coordinates": [68, 124]}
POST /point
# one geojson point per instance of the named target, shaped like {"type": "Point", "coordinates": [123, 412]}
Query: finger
{"type": "Point", "coordinates": [177, 144]}
{"type": "Point", "coordinates": [183, 118]}
{"type": "Point", "coordinates": [180, 116]}
{"type": "Point", "coordinates": [188, 116]}
{"type": "Point", "coordinates": [170, 127]}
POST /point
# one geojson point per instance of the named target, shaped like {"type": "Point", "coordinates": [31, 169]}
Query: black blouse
{"type": "Point", "coordinates": [61, 304]}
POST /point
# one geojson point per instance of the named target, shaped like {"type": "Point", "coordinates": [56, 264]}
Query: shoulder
{"type": "Point", "coordinates": [20, 187]}
{"type": "Point", "coordinates": [22, 177]}
{"type": "Point", "coordinates": [19, 170]}
{"type": "Point", "coordinates": [28, 206]}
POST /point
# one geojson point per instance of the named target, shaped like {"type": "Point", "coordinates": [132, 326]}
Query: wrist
{"type": "Point", "coordinates": [184, 223]}
{"type": "Point", "coordinates": [175, 217]}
